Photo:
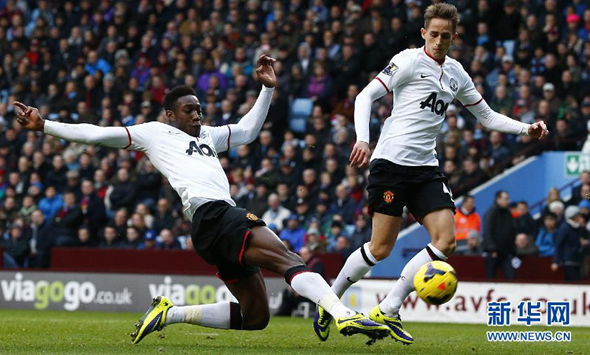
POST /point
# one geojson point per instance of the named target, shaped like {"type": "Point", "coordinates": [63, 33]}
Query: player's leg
{"type": "Point", "coordinates": [384, 233]}
{"type": "Point", "coordinates": [441, 227]}
{"type": "Point", "coordinates": [250, 313]}
{"type": "Point", "coordinates": [265, 249]}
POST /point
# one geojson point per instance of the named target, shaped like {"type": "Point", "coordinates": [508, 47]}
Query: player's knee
{"type": "Point", "coordinates": [380, 251]}
{"type": "Point", "coordinates": [295, 259]}
{"type": "Point", "coordinates": [256, 321]}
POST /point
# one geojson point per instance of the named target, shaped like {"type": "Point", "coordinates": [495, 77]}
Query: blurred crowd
{"type": "Point", "coordinates": [110, 63]}
{"type": "Point", "coordinates": [507, 233]}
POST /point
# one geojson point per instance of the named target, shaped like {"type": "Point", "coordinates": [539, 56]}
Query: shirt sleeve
{"type": "Point", "coordinates": [221, 137]}
{"type": "Point", "coordinates": [141, 136]}
{"type": "Point", "coordinates": [114, 137]}
{"type": "Point", "coordinates": [468, 94]}
{"type": "Point", "coordinates": [397, 72]}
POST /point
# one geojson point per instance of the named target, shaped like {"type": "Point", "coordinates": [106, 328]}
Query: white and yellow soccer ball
{"type": "Point", "coordinates": [435, 282]}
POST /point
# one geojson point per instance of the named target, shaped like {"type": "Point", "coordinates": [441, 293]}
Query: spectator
{"type": "Point", "coordinates": [472, 245]}
{"type": "Point", "coordinates": [569, 245]}
{"type": "Point", "coordinates": [51, 203]}
{"type": "Point", "coordinates": [109, 237]}
{"type": "Point", "coordinates": [466, 220]}
{"type": "Point", "coordinates": [133, 240]}
{"type": "Point", "coordinates": [167, 240]}
{"type": "Point", "coordinates": [525, 245]}
{"type": "Point", "coordinates": [67, 220]}
{"type": "Point", "coordinates": [276, 213]}
{"type": "Point", "coordinates": [361, 233]}
{"type": "Point", "coordinates": [42, 240]}
{"type": "Point", "coordinates": [342, 246]}
{"type": "Point", "coordinates": [17, 246]}
{"type": "Point", "coordinates": [163, 217]}
{"type": "Point", "coordinates": [546, 238]}
{"type": "Point", "coordinates": [84, 238]}
{"type": "Point", "coordinates": [498, 238]}
{"type": "Point", "coordinates": [524, 222]}
{"type": "Point", "coordinates": [293, 234]}
{"type": "Point", "coordinates": [344, 205]}
{"type": "Point", "coordinates": [148, 183]}
{"type": "Point", "coordinates": [124, 192]}
{"type": "Point", "coordinates": [93, 209]}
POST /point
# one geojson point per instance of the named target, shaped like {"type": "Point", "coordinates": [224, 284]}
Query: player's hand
{"type": "Point", "coordinates": [264, 71]}
{"type": "Point", "coordinates": [554, 267]}
{"type": "Point", "coordinates": [359, 157]}
{"type": "Point", "coordinates": [538, 130]}
{"type": "Point", "coordinates": [28, 117]}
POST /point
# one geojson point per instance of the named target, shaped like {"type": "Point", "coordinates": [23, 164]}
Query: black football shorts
{"type": "Point", "coordinates": [220, 234]}
{"type": "Point", "coordinates": [422, 189]}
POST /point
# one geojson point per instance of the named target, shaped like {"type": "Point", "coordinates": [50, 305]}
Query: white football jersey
{"type": "Point", "coordinates": [422, 89]}
{"type": "Point", "coordinates": [190, 164]}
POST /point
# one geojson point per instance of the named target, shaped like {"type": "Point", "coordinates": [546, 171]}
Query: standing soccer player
{"type": "Point", "coordinates": [236, 241]}
{"type": "Point", "coordinates": [404, 170]}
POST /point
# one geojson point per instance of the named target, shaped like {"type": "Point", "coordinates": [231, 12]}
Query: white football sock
{"type": "Point", "coordinates": [216, 315]}
{"type": "Point", "coordinates": [313, 287]}
{"type": "Point", "coordinates": [405, 284]}
{"type": "Point", "coordinates": [356, 266]}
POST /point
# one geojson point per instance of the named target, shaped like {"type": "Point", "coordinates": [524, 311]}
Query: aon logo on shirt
{"type": "Point", "coordinates": [202, 149]}
{"type": "Point", "coordinates": [437, 106]}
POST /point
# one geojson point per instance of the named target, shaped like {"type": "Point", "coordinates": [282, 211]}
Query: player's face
{"type": "Point", "coordinates": [438, 36]}
{"type": "Point", "coordinates": [187, 115]}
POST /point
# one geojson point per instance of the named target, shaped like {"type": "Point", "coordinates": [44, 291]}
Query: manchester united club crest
{"type": "Point", "coordinates": [252, 217]}
{"type": "Point", "coordinates": [388, 196]}
{"type": "Point", "coordinates": [453, 84]}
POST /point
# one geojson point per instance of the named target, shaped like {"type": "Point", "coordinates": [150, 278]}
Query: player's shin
{"type": "Point", "coordinates": [356, 266]}
{"type": "Point", "coordinates": [313, 287]}
{"type": "Point", "coordinates": [405, 285]}
{"type": "Point", "coordinates": [222, 315]}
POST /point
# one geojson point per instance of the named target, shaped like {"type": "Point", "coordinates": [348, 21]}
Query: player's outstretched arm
{"type": "Point", "coordinates": [30, 118]}
{"type": "Point", "coordinates": [359, 157]}
{"type": "Point", "coordinates": [499, 122]}
{"type": "Point", "coordinates": [249, 126]}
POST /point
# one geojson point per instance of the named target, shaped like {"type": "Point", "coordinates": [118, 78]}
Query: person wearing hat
{"type": "Point", "coordinates": [570, 243]}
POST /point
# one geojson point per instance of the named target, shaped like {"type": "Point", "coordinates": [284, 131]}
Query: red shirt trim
{"type": "Point", "coordinates": [440, 62]}
{"type": "Point", "coordinates": [473, 104]}
{"type": "Point", "coordinates": [382, 83]}
{"type": "Point", "coordinates": [128, 136]}
{"type": "Point", "coordinates": [228, 136]}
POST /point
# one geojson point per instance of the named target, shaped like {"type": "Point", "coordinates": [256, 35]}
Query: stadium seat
{"type": "Point", "coordinates": [300, 111]}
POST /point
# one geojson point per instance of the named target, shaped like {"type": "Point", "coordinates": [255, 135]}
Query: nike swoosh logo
{"type": "Point", "coordinates": [424, 76]}
{"type": "Point", "coordinates": [349, 280]}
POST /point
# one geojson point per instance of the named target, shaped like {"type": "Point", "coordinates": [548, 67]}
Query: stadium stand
{"type": "Point", "coordinates": [110, 63]}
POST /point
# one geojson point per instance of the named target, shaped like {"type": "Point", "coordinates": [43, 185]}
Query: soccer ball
{"type": "Point", "coordinates": [436, 282]}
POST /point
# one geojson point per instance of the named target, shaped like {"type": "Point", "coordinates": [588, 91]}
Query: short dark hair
{"type": "Point", "coordinates": [175, 94]}
{"type": "Point", "coordinates": [499, 193]}
{"type": "Point", "coordinates": [443, 11]}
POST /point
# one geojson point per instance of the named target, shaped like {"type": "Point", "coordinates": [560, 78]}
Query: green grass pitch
{"type": "Point", "coordinates": [60, 332]}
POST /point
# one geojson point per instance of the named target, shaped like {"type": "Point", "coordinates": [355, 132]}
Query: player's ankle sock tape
{"type": "Point", "coordinates": [367, 256]}
{"type": "Point", "coordinates": [290, 274]}
{"type": "Point", "coordinates": [235, 316]}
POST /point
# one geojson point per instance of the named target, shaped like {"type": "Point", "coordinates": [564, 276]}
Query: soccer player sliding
{"type": "Point", "coordinates": [237, 242]}
{"type": "Point", "coordinates": [404, 170]}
